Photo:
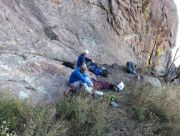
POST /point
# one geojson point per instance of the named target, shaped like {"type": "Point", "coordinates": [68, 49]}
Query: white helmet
{"type": "Point", "coordinates": [86, 51]}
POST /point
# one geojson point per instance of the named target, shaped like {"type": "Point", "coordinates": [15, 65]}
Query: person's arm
{"type": "Point", "coordinates": [83, 60]}
{"type": "Point", "coordinates": [88, 59]}
{"type": "Point", "coordinates": [83, 78]}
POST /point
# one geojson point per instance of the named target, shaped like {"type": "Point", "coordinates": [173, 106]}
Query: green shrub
{"type": "Point", "coordinates": [78, 116]}
{"type": "Point", "coordinates": [158, 112]}
{"type": "Point", "coordinates": [16, 118]}
{"type": "Point", "coordinates": [157, 105]}
{"type": "Point", "coordinates": [11, 114]}
{"type": "Point", "coordinates": [39, 120]}
{"type": "Point", "coordinates": [141, 114]}
{"type": "Point", "coordinates": [85, 118]}
{"type": "Point", "coordinates": [65, 108]}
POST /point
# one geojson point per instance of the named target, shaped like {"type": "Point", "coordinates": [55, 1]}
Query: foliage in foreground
{"type": "Point", "coordinates": [85, 117]}
{"type": "Point", "coordinates": [76, 116]}
{"type": "Point", "coordinates": [159, 107]}
{"type": "Point", "coordinates": [146, 111]}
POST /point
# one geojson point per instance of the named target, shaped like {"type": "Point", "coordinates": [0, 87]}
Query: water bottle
{"type": "Point", "coordinates": [98, 93]}
{"type": "Point", "coordinates": [114, 104]}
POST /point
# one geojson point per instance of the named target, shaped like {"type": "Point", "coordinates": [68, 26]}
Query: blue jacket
{"type": "Point", "coordinates": [76, 75]}
{"type": "Point", "coordinates": [81, 60]}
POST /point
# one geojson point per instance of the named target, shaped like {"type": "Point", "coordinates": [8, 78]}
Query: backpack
{"type": "Point", "coordinates": [131, 68]}
{"type": "Point", "coordinates": [94, 68]}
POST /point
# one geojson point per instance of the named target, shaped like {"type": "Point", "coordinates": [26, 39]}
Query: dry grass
{"type": "Point", "coordinates": [86, 117]}
{"type": "Point", "coordinates": [157, 107]}
{"type": "Point", "coordinates": [145, 111]}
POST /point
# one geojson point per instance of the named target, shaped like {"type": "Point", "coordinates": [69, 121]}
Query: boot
{"type": "Point", "coordinates": [70, 91]}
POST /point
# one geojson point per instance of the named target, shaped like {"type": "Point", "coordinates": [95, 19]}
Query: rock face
{"type": "Point", "coordinates": [37, 35]}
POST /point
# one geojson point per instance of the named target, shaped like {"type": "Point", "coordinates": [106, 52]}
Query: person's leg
{"type": "Point", "coordinates": [76, 85]}
{"type": "Point", "coordinates": [74, 88]}
{"type": "Point", "coordinates": [87, 88]}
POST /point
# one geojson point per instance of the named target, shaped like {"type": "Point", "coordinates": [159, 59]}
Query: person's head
{"type": "Point", "coordinates": [83, 68]}
{"type": "Point", "coordinates": [85, 52]}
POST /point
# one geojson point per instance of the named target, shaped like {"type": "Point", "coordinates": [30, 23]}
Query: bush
{"type": "Point", "coordinates": [39, 121]}
{"type": "Point", "coordinates": [159, 105]}
{"type": "Point", "coordinates": [145, 111]}
{"type": "Point", "coordinates": [86, 118]}
{"type": "Point", "coordinates": [141, 114]}
{"type": "Point", "coordinates": [11, 115]}
{"type": "Point", "coordinates": [16, 118]}
{"type": "Point", "coordinates": [77, 116]}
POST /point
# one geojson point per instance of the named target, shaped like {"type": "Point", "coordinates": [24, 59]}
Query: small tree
{"type": "Point", "coordinates": [172, 72]}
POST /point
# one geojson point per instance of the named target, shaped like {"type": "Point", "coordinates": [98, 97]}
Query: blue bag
{"type": "Point", "coordinates": [98, 71]}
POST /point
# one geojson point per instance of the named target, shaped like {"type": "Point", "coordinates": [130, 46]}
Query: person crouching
{"type": "Point", "coordinates": [79, 79]}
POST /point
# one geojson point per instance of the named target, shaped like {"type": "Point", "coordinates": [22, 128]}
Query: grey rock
{"type": "Point", "coordinates": [35, 33]}
{"type": "Point", "coordinates": [176, 82]}
{"type": "Point", "coordinates": [153, 81]}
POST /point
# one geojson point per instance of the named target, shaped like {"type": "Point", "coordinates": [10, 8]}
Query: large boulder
{"type": "Point", "coordinates": [37, 35]}
{"type": "Point", "coordinates": [155, 82]}
{"type": "Point", "coordinates": [39, 79]}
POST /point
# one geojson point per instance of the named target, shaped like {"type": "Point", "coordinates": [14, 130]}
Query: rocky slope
{"type": "Point", "coordinates": [37, 35]}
